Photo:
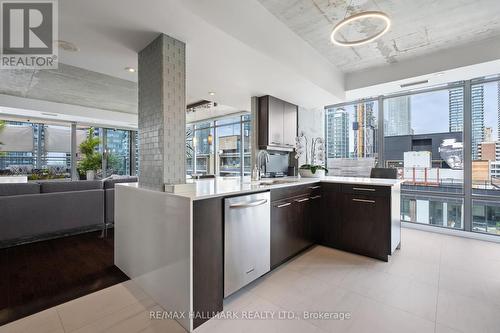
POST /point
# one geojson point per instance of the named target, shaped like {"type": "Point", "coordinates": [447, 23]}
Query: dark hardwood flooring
{"type": "Point", "coordinates": [37, 276]}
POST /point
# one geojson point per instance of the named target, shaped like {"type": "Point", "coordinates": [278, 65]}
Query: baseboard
{"type": "Point", "coordinates": [54, 235]}
{"type": "Point", "coordinates": [452, 232]}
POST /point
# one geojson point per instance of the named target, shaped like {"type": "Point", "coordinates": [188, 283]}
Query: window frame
{"type": "Point", "coordinates": [214, 124]}
{"type": "Point", "coordinates": [468, 196]}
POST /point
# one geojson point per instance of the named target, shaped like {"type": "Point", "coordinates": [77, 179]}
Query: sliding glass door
{"type": "Point", "coordinates": [423, 139]}
{"type": "Point", "coordinates": [485, 144]}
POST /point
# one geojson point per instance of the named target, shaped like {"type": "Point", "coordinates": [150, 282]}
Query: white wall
{"type": "Point", "coordinates": [312, 123]}
{"type": "Point", "coordinates": [459, 63]}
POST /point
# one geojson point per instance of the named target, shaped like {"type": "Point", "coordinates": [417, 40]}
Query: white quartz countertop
{"type": "Point", "coordinates": [224, 186]}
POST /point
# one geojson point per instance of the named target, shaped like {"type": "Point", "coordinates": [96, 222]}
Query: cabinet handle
{"type": "Point", "coordinates": [283, 205]}
{"type": "Point", "coordinates": [316, 197]}
{"type": "Point", "coordinates": [314, 187]}
{"type": "Point", "coordinates": [363, 200]}
{"type": "Point", "coordinates": [302, 200]}
{"type": "Point", "coordinates": [248, 204]}
{"type": "Point", "coordinates": [275, 143]}
{"type": "Point", "coordinates": [363, 189]}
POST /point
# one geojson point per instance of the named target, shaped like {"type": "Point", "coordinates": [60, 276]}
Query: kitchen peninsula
{"type": "Point", "coordinates": [186, 249]}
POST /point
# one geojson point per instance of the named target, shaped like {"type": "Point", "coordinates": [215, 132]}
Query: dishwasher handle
{"type": "Point", "coordinates": [247, 204]}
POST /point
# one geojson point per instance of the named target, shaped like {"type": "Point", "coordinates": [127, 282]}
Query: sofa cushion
{"type": "Point", "coordinates": [77, 185]}
{"type": "Point", "coordinates": [19, 188]}
{"type": "Point", "coordinates": [110, 183]}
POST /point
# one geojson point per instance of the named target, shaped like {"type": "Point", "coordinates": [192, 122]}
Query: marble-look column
{"type": "Point", "coordinates": [162, 113]}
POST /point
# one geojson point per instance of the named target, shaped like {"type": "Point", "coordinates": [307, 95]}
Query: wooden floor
{"type": "Point", "coordinates": [37, 276]}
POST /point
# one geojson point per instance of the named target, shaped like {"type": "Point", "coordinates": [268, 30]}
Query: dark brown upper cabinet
{"type": "Point", "coordinates": [277, 124]}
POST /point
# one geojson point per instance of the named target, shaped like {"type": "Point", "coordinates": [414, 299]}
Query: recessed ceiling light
{"type": "Point", "coordinates": [440, 74]}
{"type": "Point", "coordinates": [359, 17]}
{"type": "Point", "coordinates": [211, 93]}
{"type": "Point", "coordinates": [130, 69]}
{"type": "Point", "coordinates": [66, 46]}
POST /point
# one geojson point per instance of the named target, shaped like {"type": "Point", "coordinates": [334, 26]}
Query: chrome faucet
{"type": "Point", "coordinates": [259, 161]}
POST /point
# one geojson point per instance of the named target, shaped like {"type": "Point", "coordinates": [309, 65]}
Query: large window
{"type": "Point", "coordinates": [204, 149]}
{"type": "Point", "coordinates": [220, 147]}
{"type": "Point", "coordinates": [444, 142]}
{"type": "Point", "coordinates": [117, 148]}
{"type": "Point", "coordinates": [423, 139]}
{"type": "Point", "coordinates": [228, 160]}
{"type": "Point", "coordinates": [352, 138]}
{"type": "Point", "coordinates": [247, 146]}
{"type": "Point", "coordinates": [190, 149]}
{"type": "Point", "coordinates": [43, 151]}
{"type": "Point", "coordinates": [485, 144]}
{"type": "Point", "coordinates": [19, 147]}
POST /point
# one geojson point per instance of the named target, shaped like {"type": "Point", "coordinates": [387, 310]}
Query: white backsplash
{"type": "Point", "coordinates": [312, 123]}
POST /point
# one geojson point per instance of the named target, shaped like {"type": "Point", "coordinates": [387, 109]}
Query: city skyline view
{"type": "Point", "coordinates": [429, 125]}
{"type": "Point", "coordinates": [437, 105]}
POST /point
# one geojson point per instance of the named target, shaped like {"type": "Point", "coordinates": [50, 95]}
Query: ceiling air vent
{"type": "Point", "coordinates": [406, 85]}
{"type": "Point", "coordinates": [200, 105]}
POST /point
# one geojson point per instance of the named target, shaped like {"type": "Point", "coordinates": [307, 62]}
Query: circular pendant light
{"type": "Point", "coordinates": [358, 17]}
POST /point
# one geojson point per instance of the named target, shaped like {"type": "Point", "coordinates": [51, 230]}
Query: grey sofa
{"type": "Point", "coordinates": [35, 211]}
{"type": "Point", "coordinates": [109, 196]}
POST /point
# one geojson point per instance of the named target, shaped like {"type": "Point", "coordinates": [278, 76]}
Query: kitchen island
{"type": "Point", "coordinates": [172, 245]}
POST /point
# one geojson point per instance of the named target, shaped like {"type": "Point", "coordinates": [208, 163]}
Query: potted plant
{"type": "Point", "coordinates": [92, 160]}
{"type": "Point", "coordinates": [314, 156]}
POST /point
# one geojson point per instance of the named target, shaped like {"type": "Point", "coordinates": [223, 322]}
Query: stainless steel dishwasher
{"type": "Point", "coordinates": [247, 240]}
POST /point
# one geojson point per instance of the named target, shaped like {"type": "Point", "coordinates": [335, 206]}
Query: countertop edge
{"type": "Point", "coordinates": [302, 181]}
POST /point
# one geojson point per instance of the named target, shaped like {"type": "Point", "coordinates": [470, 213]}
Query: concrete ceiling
{"type": "Point", "coordinates": [419, 27]}
{"type": "Point", "coordinates": [71, 85]}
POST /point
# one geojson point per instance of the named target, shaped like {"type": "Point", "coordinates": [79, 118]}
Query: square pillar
{"type": "Point", "coordinates": [162, 113]}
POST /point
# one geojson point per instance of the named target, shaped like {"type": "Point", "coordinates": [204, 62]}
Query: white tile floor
{"type": "Point", "coordinates": [435, 283]}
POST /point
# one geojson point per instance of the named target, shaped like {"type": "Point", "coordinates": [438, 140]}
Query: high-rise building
{"type": "Point", "coordinates": [364, 127]}
{"type": "Point", "coordinates": [338, 133]}
{"type": "Point", "coordinates": [477, 110]}
{"type": "Point", "coordinates": [456, 109]}
{"type": "Point", "coordinates": [498, 100]}
{"type": "Point", "coordinates": [488, 134]}
{"type": "Point", "coordinates": [456, 114]}
{"type": "Point", "coordinates": [397, 116]}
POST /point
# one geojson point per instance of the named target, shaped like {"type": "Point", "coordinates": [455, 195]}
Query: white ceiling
{"type": "Point", "coordinates": [419, 27]}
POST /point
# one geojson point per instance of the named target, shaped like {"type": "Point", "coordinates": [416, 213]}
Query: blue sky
{"type": "Point", "coordinates": [430, 111]}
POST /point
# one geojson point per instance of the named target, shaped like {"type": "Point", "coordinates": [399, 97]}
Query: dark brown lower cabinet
{"type": "Point", "coordinates": [358, 219]}
{"type": "Point", "coordinates": [326, 228]}
{"type": "Point", "coordinates": [208, 258]}
{"type": "Point", "coordinates": [365, 226]}
{"type": "Point", "coordinates": [291, 228]}
{"type": "Point", "coordinates": [283, 231]}
{"type": "Point", "coordinates": [303, 213]}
